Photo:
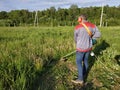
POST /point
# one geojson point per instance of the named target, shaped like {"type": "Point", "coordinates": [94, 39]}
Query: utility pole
{"type": "Point", "coordinates": [36, 19]}
{"type": "Point", "coordinates": [101, 16]}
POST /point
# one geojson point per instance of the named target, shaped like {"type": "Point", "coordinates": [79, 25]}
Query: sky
{"type": "Point", "coordinates": [32, 5]}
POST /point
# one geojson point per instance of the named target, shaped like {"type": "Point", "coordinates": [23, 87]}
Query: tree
{"type": "Point", "coordinates": [61, 16]}
{"type": "Point", "coordinates": [3, 15]}
{"type": "Point", "coordinates": [73, 14]}
{"type": "Point", "coordinates": [24, 16]}
{"type": "Point", "coordinates": [14, 17]}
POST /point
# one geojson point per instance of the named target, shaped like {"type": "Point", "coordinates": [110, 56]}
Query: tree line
{"type": "Point", "coordinates": [60, 16]}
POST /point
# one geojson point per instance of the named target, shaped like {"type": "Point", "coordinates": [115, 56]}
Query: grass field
{"type": "Point", "coordinates": [30, 59]}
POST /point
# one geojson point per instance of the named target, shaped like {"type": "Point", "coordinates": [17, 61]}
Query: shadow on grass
{"type": "Point", "coordinates": [45, 79]}
{"type": "Point", "coordinates": [100, 47]}
{"type": "Point", "coordinates": [117, 58]}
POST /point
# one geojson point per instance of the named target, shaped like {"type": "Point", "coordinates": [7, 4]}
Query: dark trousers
{"type": "Point", "coordinates": [82, 64]}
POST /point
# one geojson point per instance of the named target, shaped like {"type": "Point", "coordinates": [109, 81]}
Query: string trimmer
{"type": "Point", "coordinates": [64, 58]}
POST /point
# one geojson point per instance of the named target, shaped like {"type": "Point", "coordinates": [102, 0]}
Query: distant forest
{"type": "Point", "coordinates": [60, 16]}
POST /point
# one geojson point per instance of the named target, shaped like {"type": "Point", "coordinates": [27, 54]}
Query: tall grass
{"type": "Point", "coordinates": [29, 58]}
{"type": "Point", "coordinates": [25, 51]}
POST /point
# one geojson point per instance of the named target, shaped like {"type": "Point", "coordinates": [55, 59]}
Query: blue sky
{"type": "Point", "coordinates": [7, 5]}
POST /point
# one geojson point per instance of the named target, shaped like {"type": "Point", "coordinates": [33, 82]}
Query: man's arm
{"type": "Point", "coordinates": [96, 34]}
{"type": "Point", "coordinates": [75, 35]}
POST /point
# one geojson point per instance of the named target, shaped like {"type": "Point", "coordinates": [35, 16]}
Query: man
{"type": "Point", "coordinates": [84, 45]}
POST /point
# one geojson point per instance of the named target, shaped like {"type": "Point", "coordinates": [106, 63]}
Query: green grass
{"type": "Point", "coordinates": [29, 58]}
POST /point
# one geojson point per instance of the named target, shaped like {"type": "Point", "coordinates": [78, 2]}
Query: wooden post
{"type": "Point", "coordinates": [101, 16]}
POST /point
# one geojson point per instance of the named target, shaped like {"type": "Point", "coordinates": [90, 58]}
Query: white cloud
{"type": "Point", "coordinates": [43, 4]}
